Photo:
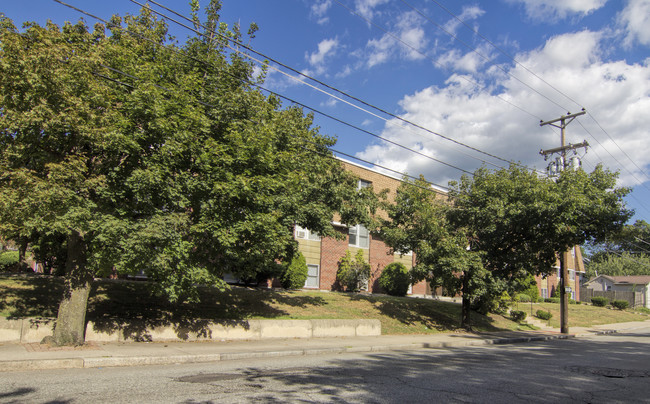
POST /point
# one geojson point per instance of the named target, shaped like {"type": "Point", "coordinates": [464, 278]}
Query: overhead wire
{"type": "Point", "coordinates": [505, 53]}
{"type": "Point", "coordinates": [486, 58]}
{"type": "Point", "coordinates": [437, 63]}
{"type": "Point", "coordinates": [248, 48]}
{"type": "Point", "coordinates": [344, 101]}
{"type": "Point", "coordinates": [545, 82]}
{"type": "Point", "coordinates": [212, 106]}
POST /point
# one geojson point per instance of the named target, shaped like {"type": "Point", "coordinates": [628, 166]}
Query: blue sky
{"type": "Point", "coordinates": [483, 73]}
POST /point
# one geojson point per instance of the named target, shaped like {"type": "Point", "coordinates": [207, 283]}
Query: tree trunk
{"type": "Point", "coordinates": [464, 321]}
{"type": "Point", "coordinates": [71, 320]}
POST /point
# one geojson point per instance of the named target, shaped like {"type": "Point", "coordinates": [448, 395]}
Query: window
{"type": "Point", "coordinates": [312, 276]}
{"type": "Point", "coordinates": [544, 293]}
{"type": "Point", "coordinates": [572, 274]}
{"type": "Point", "coordinates": [359, 236]}
{"type": "Point", "coordinates": [363, 184]}
{"type": "Point", "coordinates": [306, 234]}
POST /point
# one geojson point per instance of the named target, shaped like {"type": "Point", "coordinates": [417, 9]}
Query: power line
{"type": "Point", "coordinates": [253, 121]}
{"type": "Point", "coordinates": [505, 53]}
{"type": "Point", "coordinates": [472, 82]}
{"type": "Point", "coordinates": [531, 72]}
{"type": "Point", "coordinates": [486, 58]}
{"type": "Point", "coordinates": [244, 46]}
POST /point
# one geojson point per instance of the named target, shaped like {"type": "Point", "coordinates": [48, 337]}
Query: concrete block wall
{"type": "Point", "coordinates": [34, 330]}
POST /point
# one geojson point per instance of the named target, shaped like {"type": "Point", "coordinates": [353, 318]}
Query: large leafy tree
{"type": "Point", "coordinates": [418, 221]}
{"type": "Point", "coordinates": [142, 154]}
{"type": "Point", "coordinates": [500, 226]}
{"type": "Point", "coordinates": [624, 253]}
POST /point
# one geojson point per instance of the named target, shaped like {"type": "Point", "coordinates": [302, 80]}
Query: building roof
{"type": "Point", "coordinates": [625, 280]}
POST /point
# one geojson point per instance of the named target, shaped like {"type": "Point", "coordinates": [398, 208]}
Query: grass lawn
{"type": "Point", "coordinates": [113, 304]}
{"type": "Point", "coordinates": [583, 315]}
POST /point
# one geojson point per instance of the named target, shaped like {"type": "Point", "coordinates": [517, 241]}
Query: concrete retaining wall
{"type": "Point", "coordinates": [34, 330]}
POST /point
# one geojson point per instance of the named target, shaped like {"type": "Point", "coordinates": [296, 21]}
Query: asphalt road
{"type": "Point", "coordinates": [601, 369]}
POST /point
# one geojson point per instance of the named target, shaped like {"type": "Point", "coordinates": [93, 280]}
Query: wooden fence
{"type": "Point", "coordinates": [635, 299]}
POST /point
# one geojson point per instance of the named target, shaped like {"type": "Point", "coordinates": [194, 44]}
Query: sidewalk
{"type": "Point", "coordinates": [33, 356]}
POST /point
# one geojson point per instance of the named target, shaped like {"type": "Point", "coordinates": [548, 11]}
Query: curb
{"type": "Point", "coordinates": [78, 363]}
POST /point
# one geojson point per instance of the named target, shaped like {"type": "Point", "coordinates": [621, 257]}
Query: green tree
{"type": "Point", "coordinates": [521, 221]}
{"type": "Point", "coordinates": [501, 226]}
{"type": "Point", "coordinates": [142, 154]}
{"type": "Point", "coordinates": [624, 253]}
{"type": "Point", "coordinates": [418, 222]}
{"type": "Point", "coordinates": [620, 264]}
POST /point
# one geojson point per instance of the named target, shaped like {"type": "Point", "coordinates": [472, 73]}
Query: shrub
{"type": "Point", "coordinates": [353, 274]}
{"type": "Point", "coordinates": [524, 298]}
{"type": "Point", "coordinates": [571, 301]}
{"type": "Point", "coordinates": [8, 259]}
{"type": "Point", "coordinates": [540, 300]}
{"type": "Point", "coordinates": [518, 315]}
{"type": "Point", "coordinates": [599, 301]}
{"type": "Point", "coordinates": [532, 290]}
{"type": "Point", "coordinates": [620, 304]}
{"type": "Point", "coordinates": [552, 300]}
{"type": "Point", "coordinates": [543, 314]}
{"type": "Point", "coordinates": [295, 274]}
{"type": "Point", "coordinates": [395, 279]}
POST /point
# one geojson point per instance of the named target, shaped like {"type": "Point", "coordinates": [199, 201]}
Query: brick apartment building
{"type": "Point", "coordinates": [323, 254]}
{"type": "Point", "coordinates": [576, 267]}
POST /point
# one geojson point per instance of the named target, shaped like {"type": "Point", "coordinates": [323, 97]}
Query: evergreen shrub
{"type": "Point", "coordinates": [395, 279]}
{"type": "Point", "coordinates": [543, 314]}
{"type": "Point", "coordinates": [295, 274]}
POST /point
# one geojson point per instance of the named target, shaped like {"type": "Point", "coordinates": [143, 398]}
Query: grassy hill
{"type": "Point", "coordinates": [114, 303]}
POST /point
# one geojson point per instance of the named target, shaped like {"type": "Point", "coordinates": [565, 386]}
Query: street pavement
{"type": "Point", "coordinates": [34, 356]}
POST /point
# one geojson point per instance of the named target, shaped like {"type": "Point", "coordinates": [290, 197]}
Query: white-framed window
{"type": "Point", "coordinates": [313, 276]}
{"type": "Point", "coordinates": [306, 234]}
{"type": "Point", "coordinates": [573, 252]}
{"type": "Point", "coordinates": [363, 184]}
{"type": "Point", "coordinates": [544, 293]}
{"type": "Point", "coordinates": [572, 274]}
{"type": "Point", "coordinates": [359, 236]}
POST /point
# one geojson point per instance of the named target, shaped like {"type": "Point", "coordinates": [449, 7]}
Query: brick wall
{"type": "Point", "coordinates": [331, 252]}
{"type": "Point", "coordinates": [380, 256]}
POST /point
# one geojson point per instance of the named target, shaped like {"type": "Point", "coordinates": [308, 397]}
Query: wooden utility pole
{"type": "Point", "coordinates": [564, 120]}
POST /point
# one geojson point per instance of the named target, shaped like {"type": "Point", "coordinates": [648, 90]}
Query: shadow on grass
{"type": "Point", "coordinates": [30, 295]}
{"type": "Point", "coordinates": [133, 309]}
{"type": "Point", "coordinates": [433, 314]}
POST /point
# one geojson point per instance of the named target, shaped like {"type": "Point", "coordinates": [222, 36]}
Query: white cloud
{"type": "Point", "coordinates": [554, 9]}
{"type": "Point", "coordinates": [616, 93]}
{"type": "Point", "coordinates": [326, 48]}
{"type": "Point", "coordinates": [367, 7]}
{"type": "Point", "coordinates": [635, 17]}
{"type": "Point", "coordinates": [468, 14]}
{"type": "Point", "coordinates": [319, 10]}
{"type": "Point", "coordinates": [407, 40]}
{"type": "Point", "coordinates": [469, 62]}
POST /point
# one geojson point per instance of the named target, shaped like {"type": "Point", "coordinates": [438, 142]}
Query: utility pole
{"type": "Point", "coordinates": [561, 164]}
